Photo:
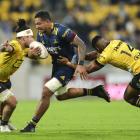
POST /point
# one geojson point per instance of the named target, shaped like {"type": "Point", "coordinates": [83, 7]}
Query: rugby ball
{"type": "Point", "coordinates": [44, 52]}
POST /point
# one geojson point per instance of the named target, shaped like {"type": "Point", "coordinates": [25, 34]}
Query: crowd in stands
{"type": "Point", "coordinates": [114, 19]}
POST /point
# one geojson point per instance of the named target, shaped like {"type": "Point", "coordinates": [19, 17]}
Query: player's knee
{"type": "Point", "coordinates": [13, 103]}
{"type": "Point", "coordinates": [46, 93]}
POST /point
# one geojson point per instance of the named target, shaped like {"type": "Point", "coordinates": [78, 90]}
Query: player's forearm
{"type": "Point", "coordinates": [92, 67]}
{"type": "Point", "coordinates": [81, 49]}
{"type": "Point", "coordinates": [91, 55]}
{"type": "Point", "coordinates": [71, 65]}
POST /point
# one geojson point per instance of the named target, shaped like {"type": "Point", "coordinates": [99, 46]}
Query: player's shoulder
{"type": "Point", "coordinates": [60, 27]}
{"type": "Point", "coordinates": [13, 42]}
{"type": "Point", "coordinates": [116, 41]}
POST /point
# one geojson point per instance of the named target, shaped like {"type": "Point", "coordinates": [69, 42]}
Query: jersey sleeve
{"type": "Point", "coordinates": [66, 34]}
{"type": "Point", "coordinates": [104, 57]}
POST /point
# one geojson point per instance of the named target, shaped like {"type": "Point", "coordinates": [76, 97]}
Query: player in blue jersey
{"type": "Point", "coordinates": [59, 41]}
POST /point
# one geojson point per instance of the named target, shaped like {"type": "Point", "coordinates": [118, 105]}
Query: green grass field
{"type": "Point", "coordinates": [79, 120]}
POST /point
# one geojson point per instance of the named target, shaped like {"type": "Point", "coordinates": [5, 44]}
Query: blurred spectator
{"type": "Point", "coordinates": [16, 6]}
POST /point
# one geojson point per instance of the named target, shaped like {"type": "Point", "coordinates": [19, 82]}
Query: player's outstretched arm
{"type": "Point", "coordinates": [91, 55]}
{"type": "Point", "coordinates": [65, 61]}
{"type": "Point", "coordinates": [93, 66]}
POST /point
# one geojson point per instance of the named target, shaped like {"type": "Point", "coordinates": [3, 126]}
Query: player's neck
{"type": "Point", "coordinates": [21, 43]}
{"type": "Point", "coordinates": [49, 30]}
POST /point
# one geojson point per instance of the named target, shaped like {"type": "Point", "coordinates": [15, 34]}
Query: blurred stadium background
{"type": "Point", "coordinates": [114, 19]}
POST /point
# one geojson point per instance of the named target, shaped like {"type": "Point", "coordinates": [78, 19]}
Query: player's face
{"type": "Point", "coordinates": [42, 25]}
{"type": "Point", "coordinates": [27, 40]}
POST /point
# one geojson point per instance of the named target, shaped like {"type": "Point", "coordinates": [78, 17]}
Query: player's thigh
{"type": "Point", "coordinates": [64, 74]}
{"type": "Point", "coordinates": [7, 97]}
{"type": "Point", "coordinates": [5, 85]}
{"type": "Point", "coordinates": [52, 85]}
{"type": "Point", "coordinates": [61, 91]}
{"type": "Point", "coordinates": [130, 92]}
{"type": "Point", "coordinates": [133, 89]}
{"type": "Point", "coordinates": [11, 101]}
{"type": "Point", "coordinates": [5, 91]}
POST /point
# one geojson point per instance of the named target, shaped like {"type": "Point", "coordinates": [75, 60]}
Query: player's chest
{"type": "Point", "coordinates": [52, 43]}
{"type": "Point", "coordinates": [19, 55]}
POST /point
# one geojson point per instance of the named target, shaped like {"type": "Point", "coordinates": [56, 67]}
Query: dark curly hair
{"type": "Point", "coordinates": [21, 25]}
{"type": "Point", "coordinates": [95, 40]}
{"type": "Point", "coordinates": [43, 15]}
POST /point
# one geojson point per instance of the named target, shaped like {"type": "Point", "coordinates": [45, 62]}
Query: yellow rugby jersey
{"type": "Point", "coordinates": [11, 61]}
{"type": "Point", "coordinates": [121, 55]}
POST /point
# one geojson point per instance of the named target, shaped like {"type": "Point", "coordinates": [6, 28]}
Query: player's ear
{"type": "Point", "coordinates": [23, 39]}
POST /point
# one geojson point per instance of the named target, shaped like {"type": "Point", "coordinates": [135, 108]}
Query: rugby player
{"type": "Point", "coordinates": [59, 41]}
{"type": "Point", "coordinates": [12, 55]}
{"type": "Point", "coordinates": [123, 56]}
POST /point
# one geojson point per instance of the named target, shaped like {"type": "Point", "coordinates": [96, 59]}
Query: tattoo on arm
{"type": "Point", "coordinates": [81, 48]}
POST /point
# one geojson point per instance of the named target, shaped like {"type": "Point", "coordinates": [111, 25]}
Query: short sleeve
{"type": "Point", "coordinates": [66, 34]}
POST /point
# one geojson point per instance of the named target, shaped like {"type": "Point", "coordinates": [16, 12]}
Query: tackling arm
{"type": "Point", "coordinates": [91, 55]}
{"type": "Point", "coordinates": [65, 61]}
{"type": "Point", "coordinates": [93, 66]}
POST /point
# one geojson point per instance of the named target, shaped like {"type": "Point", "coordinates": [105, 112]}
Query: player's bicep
{"type": "Point", "coordinates": [77, 41]}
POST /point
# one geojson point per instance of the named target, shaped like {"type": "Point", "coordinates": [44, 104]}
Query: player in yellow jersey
{"type": "Point", "coordinates": [120, 55]}
{"type": "Point", "coordinates": [12, 55]}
